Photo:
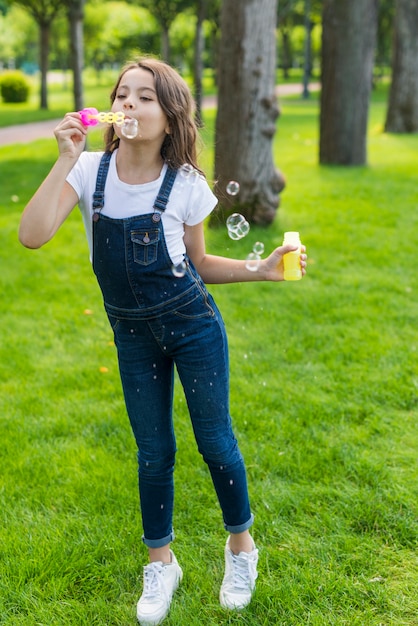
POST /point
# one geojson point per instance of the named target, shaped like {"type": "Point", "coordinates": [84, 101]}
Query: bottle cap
{"type": "Point", "coordinates": [291, 237]}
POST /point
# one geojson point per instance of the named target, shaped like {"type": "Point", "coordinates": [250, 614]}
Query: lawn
{"type": "Point", "coordinates": [324, 398]}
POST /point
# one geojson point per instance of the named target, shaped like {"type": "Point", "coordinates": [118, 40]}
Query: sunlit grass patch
{"type": "Point", "coordinates": [324, 396]}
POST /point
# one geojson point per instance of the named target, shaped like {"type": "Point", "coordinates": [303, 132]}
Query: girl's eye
{"type": "Point", "coordinates": [120, 96]}
{"type": "Point", "coordinates": [145, 99]}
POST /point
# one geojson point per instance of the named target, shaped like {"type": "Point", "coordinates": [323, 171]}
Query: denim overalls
{"type": "Point", "coordinates": [159, 320]}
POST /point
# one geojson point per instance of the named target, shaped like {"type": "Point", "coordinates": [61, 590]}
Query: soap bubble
{"type": "Point", "coordinates": [234, 221]}
{"type": "Point", "coordinates": [130, 128]}
{"type": "Point", "coordinates": [180, 269]}
{"type": "Point", "coordinates": [253, 261]}
{"type": "Point", "coordinates": [258, 248]}
{"type": "Point", "coordinates": [193, 177]}
{"type": "Point", "coordinates": [186, 170]}
{"type": "Point", "coordinates": [234, 234]}
{"type": "Point", "coordinates": [237, 226]}
{"type": "Point", "coordinates": [189, 173]}
{"type": "Point", "coordinates": [244, 229]}
{"type": "Point", "coordinates": [232, 188]}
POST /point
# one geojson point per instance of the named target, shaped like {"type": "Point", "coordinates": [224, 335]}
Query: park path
{"type": "Point", "coordinates": [25, 133]}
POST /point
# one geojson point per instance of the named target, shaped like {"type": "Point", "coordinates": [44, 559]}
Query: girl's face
{"type": "Point", "coordinates": [137, 98]}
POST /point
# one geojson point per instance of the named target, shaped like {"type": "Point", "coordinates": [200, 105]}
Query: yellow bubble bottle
{"type": "Point", "coordinates": [291, 260]}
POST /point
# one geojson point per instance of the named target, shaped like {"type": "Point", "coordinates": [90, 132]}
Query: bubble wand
{"type": "Point", "coordinates": [91, 117]}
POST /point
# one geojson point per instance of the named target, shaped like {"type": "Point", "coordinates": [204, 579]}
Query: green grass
{"type": "Point", "coordinates": [324, 398]}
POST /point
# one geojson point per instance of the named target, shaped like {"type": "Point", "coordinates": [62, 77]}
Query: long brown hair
{"type": "Point", "coordinates": [175, 99]}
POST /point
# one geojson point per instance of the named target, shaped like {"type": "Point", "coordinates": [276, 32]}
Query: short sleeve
{"type": "Point", "coordinates": [201, 203]}
{"type": "Point", "coordinates": [80, 175]}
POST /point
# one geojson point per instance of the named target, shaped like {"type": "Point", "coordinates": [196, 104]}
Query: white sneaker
{"type": "Point", "coordinates": [239, 580]}
{"type": "Point", "coordinates": [160, 582]}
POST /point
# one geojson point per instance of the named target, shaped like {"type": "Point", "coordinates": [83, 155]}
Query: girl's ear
{"type": "Point", "coordinates": [167, 129]}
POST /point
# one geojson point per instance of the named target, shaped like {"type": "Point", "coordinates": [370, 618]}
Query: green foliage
{"type": "Point", "coordinates": [165, 11]}
{"type": "Point", "coordinates": [44, 11]}
{"type": "Point", "coordinates": [324, 398]}
{"type": "Point", "coordinates": [124, 31]}
{"type": "Point", "coordinates": [182, 34]}
{"type": "Point", "coordinates": [14, 87]}
{"type": "Point", "coordinates": [18, 37]}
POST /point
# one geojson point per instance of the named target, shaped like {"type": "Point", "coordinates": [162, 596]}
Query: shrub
{"type": "Point", "coordinates": [14, 87]}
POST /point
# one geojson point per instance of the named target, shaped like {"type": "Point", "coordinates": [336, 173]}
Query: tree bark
{"type": "Point", "coordinates": [402, 113]}
{"type": "Point", "coordinates": [349, 30]}
{"type": "Point", "coordinates": [44, 13]}
{"type": "Point", "coordinates": [165, 43]}
{"type": "Point", "coordinates": [286, 59]}
{"type": "Point", "coordinates": [76, 16]}
{"type": "Point", "coordinates": [307, 62]}
{"type": "Point", "coordinates": [44, 34]}
{"type": "Point", "coordinates": [199, 45]}
{"type": "Point", "coordinates": [247, 111]}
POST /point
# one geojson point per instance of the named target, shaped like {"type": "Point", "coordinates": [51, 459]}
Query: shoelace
{"type": "Point", "coordinates": [153, 586]}
{"type": "Point", "coordinates": [242, 571]}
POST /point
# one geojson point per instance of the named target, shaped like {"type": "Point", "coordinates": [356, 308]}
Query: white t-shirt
{"type": "Point", "coordinates": [191, 200]}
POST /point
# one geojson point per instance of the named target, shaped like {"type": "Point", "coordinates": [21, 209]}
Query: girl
{"type": "Point", "coordinates": [142, 218]}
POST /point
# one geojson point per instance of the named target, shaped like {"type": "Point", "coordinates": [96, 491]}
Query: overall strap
{"type": "Point", "coordinates": [98, 196]}
{"type": "Point", "coordinates": [161, 200]}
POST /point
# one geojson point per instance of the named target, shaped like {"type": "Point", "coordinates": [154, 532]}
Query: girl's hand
{"type": "Point", "coordinates": [272, 266]}
{"type": "Point", "coordinates": [71, 136]}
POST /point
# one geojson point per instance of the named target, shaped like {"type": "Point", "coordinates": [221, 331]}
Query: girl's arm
{"type": "Point", "coordinates": [218, 269]}
{"type": "Point", "coordinates": [55, 198]}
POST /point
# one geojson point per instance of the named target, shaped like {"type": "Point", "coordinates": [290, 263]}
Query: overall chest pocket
{"type": "Point", "coordinates": [145, 245]}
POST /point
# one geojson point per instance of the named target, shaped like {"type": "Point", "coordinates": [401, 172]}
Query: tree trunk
{"type": "Point", "coordinates": [198, 60]}
{"type": "Point", "coordinates": [76, 16]}
{"type": "Point", "coordinates": [402, 114]}
{"type": "Point", "coordinates": [286, 58]}
{"type": "Point", "coordinates": [165, 43]}
{"type": "Point", "coordinates": [307, 61]}
{"type": "Point", "coordinates": [247, 111]}
{"type": "Point", "coordinates": [349, 30]}
{"type": "Point", "coordinates": [44, 32]}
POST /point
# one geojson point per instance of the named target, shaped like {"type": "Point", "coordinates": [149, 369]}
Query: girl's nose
{"type": "Point", "coordinates": [128, 105]}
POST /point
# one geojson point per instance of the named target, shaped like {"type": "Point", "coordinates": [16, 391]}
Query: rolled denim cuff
{"type": "Point", "coordinates": [158, 543]}
{"type": "Point", "coordinates": [241, 527]}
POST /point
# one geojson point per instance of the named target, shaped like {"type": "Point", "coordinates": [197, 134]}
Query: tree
{"type": "Point", "coordinates": [348, 43]}
{"type": "Point", "coordinates": [247, 110]}
{"type": "Point", "coordinates": [384, 35]}
{"type": "Point", "coordinates": [402, 114]}
{"type": "Point", "coordinates": [75, 12]}
{"type": "Point", "coordinates": [122, 31]}
{"type": "Point", "coordinates": [206, 10]}
{"type": "Point", "coordinates": [307, 63]}
{"type": "Point", "coordinates": [44, 12]}
{"type": "Point", "coordinates": [285, 21]}
{"type": "Point", "coordinates": [198, 58]}
{"type": "Point", "coordinates": [165, 12]}
{"type": "Point", "coordinates": [293, 17]}
{"type": "Point", "coordinates": [18, 39]}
